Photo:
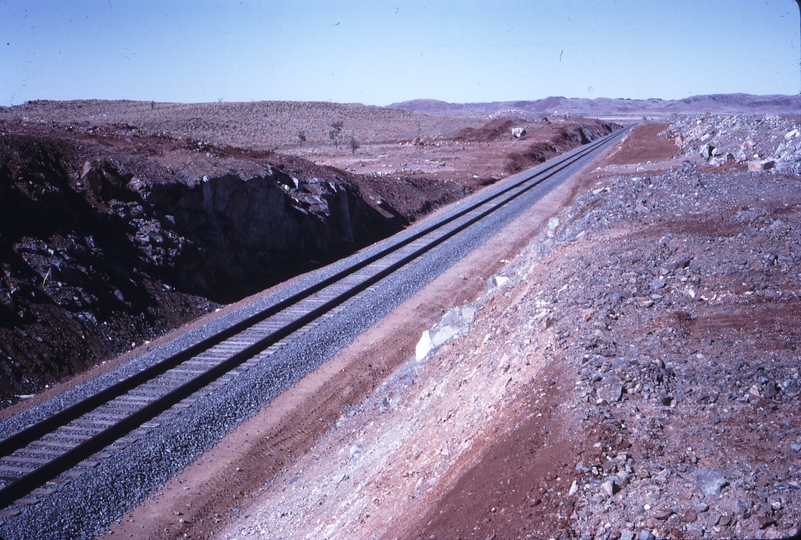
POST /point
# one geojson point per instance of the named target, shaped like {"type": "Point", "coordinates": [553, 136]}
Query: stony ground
{"type": "Point", "coordinates": [665, 305]}
{"type": "Point", "coordinates": [632, 372]}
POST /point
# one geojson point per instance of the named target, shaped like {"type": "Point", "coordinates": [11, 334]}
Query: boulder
{"type": "Point", "coordinates": [710, 482]}
{"type": "Point", "coordinates": [423, 346]}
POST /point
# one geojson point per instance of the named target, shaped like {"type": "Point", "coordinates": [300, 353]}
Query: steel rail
{"type": "Point", "coordinates": [39, 476]}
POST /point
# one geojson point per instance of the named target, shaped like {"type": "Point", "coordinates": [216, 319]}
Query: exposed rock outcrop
{"type": "Point", "coordinates": [100, 248]}
{"type": "Point", "coordinates": [235, 236]}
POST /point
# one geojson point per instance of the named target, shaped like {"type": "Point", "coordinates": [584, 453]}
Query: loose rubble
{"type": "Point", "coordinates": [690, 362]}
{"type": "Point", "coordinates": [769, 143]}
{"type": "Point", "coordinates": [671, 300]}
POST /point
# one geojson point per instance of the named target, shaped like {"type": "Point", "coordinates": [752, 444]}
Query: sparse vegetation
{"type": "Point", "coordinates": [263, 125]}
{"type": "Point", "coordinates": [354, 144]}
{"type": "Point", "coordinates": [336, 129]}
{"type": "Point", "coordinates": [302, 136]}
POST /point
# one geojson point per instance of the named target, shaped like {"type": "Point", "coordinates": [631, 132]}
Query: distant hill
{"type": "Point", "coordinates": [716, 103]}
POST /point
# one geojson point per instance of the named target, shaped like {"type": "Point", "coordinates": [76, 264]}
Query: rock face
{"type": "Point", "coordinates": [100, 247]}
{"type": "Point", "coordinates": [240, 235]}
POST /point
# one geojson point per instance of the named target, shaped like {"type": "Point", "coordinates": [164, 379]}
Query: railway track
{"type": "Point", "coordinates": [38, 460]}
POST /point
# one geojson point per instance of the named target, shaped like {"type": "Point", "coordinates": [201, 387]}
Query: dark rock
{"type": "Point", "coordinates": [611, 391]}
{"type": "Point", "coordinates": [610, 487]}
{"type": "Point", "coordinates": [765, 521]}
{"type": "Point", "coordinates": [663, 514]}
{"type": "Point", "coordinates": [689, 516]}
{"type": "Point", "coordinates": [707, 151]}
{"type": "Point", "coordinates": [694, 531]}
{"type": "Point", "coordinates": [710, 482]}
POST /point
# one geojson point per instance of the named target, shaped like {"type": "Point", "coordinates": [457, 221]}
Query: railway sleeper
{"type": "Point", "coordinates": [47, 442]}
{"type": "Point", "coordinates": [72, 437]}
{"type": "Point", "coordinates": [38, 452]}
{"type": "Point", "coordinates": [90, 423]}
{"type": "Point", "coordinates": [26, 459]}
{"type": "Point", "coordinates": [13, 469]}
{"type": "Point", "coordinates": [129, 400]}
{"type": "Point", "coordinates": [110, 411]}
{"type": "Point", "coordinates": [75, 428]}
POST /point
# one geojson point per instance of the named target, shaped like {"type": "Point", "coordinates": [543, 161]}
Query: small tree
{"type": "Point", "coordinates": [336, 129]}
{"type": "Point", "coordinates": [354, 144]}
{"type": "Point", "coordinates": [302, 137]}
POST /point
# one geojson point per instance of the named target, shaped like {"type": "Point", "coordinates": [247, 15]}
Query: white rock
{"type": "Point", "coordinates": [553, 223]}
{"type": "Point", "coordinates": [423, 347]}
{"type": "Point", "coordinates": [441, 335]}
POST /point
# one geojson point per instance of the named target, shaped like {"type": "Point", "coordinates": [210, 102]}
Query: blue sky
{"type": "Point", "coordinates": [378, 52]}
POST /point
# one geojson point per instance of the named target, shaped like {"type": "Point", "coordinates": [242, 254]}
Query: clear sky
{"type": "Point", "coordinates": [379, 52]}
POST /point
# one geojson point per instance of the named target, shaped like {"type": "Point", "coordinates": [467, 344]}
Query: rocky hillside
{"type": "Point", "coordinates": [717, 103]}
